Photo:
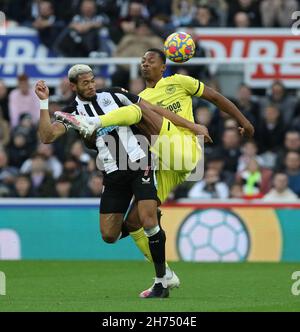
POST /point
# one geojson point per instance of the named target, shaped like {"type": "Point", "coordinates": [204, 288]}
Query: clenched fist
{"type": "Point", "coordinates": [41, 90]}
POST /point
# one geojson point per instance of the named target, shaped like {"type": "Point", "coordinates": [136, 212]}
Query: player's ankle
{"type": "Point", "coordinates": [162, 280]}
{"type": "Point", "coordinates": [95, 120]}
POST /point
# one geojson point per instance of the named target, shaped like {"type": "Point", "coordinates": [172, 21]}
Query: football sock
{"type": "Point", "coordinates": [123, 116]}
{"type": "Point", "coordinates": [142, 242]}
{"type": "Point", "coordinates": [157, 241]}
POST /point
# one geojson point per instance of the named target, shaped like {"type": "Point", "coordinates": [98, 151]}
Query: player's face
{"type": "Point", "coordinates": [152, 66]}
{"type": "Point", "coordinates": [86, 86]}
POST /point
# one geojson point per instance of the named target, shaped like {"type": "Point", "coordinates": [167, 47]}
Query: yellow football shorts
{"type": "Point", "coordinates": [178, 152]}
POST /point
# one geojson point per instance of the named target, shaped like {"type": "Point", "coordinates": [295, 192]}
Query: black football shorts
{"type": "Point", "coordinates": [121, 185]}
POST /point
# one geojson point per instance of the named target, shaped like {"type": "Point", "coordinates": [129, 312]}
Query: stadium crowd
{"type": "Point", "coordinates": [266, 167]}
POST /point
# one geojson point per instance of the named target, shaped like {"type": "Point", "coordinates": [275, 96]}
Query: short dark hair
{"type": "Point", "coordinates": [159, 52]}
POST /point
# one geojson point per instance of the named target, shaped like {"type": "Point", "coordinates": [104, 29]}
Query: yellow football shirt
{"type": "Point", "coordinates": [175, 93]}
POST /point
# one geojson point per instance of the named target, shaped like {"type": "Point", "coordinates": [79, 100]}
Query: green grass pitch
{"type": "Point", "coordinates": [107, 286]}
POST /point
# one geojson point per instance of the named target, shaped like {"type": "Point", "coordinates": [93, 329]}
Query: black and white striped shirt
{"type": "Point", "coordinates": [118, 147]}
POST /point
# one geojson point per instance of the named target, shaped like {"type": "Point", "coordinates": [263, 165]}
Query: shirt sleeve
{"type": "Point", "coordinates": [191, 85]}
{"type": "Point", "coordinates": [126, 97]}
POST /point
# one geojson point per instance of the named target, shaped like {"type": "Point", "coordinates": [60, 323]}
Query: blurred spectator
{"type": "Point", "coordinates": [230, 124]}
{"type": "Point", "coordinates": [278, 13]}
{"type": "Point", "coordinates": [23, 100]}
{"type": "Point", "coordinates": [23, 187]}
{"type": "Point", "coordinates": [270, 132]}
{"type": "Point", "coordinates": [100, 82]}
{"type": "Point", "coordinates": [91, 166]}
{"type": "Point", "coordinates": [4, 100]}
{"type": "Point", "coordinates": [231, 149]}
{"type": "Point", "coordinates": [210, 187]}
{"type": "Point", "coordinates": [7, 172]}
{"type": "Point", "coordinates": [162, 25]}
{"type": "Point", "coordinates": [248, 7]}
{"type": "Point", "coordinates": [61, 12]}
{"type": "Point", "coordinates": [4, 130]}
{"type": "Point", "coordinates": [64, 93]}
{"type": "Point", "coordinates": [53, 165]}
{"type": "Point", "coordinates": [18, 149]}
{"type": "Point", "coordinates": [112, 9]}
{"type": "Point", "coordinates": [280, 191]}
{"type": "Point", "coordinates": [5, 191]}
{"type": "Point", "coordinates": [21, 11]}
{"type": "Point", "coordinates": [82, 36]}
{"type": "Point", "coordinates": [204, 17]}
{"type": "Point", "coordinates": [248, 104]}
{"type": "Point", "coordinates": [160, 7]}
{"type": "Point", "coordinates": [183, 11]}
{"type": "Point", "coordinates": [135, 11]}
{"type": "Point", "coordinates": [63, 187]}
{"type": "Point", "coordinates": [72, 170]}
{"type": "Point", "coordinates": [279, 97]}
{"type": "Point", "coordinates": [200, 72]}
{"type": "Point", "coordinates": [136, 85]}
{"type": "Point", "coordinates": [241, 20]}
{"type": "Point", "coordinates": [27, 128]}
{"type": "Point", "coordinates": [43, 183]}
{"type": "Point", "coordinates": [203, 115]}
{"type": "Point", "coordinates": [134, 45]}
{"type": "Point", "coordinates": [77, 151]}
{"type": "Point", "coordinates": [251, 179]}
{"type": "Point", "coordinates": [215, 160]}
{"type": "Point", "coordinates": [220, 7]}
{"type": "Point", "coordinates": [236, 191]}
{"type": "Point", "coordinates": [47, 25]}
{"type": "Point", "coordinates": [292, 169]}
{"type": "Point", "coordinates": [94, 186]}
{"type": "Point", "coordinates": [291, 143]}
{"type": "Point", "coordinates": [249, 151]}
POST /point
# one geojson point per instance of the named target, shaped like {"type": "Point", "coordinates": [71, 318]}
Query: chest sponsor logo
{"type": "Point", "coordinates": [170, 89]}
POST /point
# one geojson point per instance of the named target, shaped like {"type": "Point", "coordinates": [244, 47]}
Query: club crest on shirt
{"type": "Point", "coordinates": [170, 89]}
{"type": "Point", "coordinates": [106, 102]}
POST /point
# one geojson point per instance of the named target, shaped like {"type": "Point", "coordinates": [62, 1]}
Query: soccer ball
{"type": "Point", "coordinates": [213, 235]}
{"type": "Point", "coordinates": [179, 47]}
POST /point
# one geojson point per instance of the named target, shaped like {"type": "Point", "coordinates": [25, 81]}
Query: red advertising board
{"type": "Point", "coordinates": [256, 44]}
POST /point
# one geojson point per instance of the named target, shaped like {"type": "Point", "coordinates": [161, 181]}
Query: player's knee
{"type": "Point", "coordinates": [149, 220]}
{"type": "Point", "coordinates": [109, 238]}
{"type": "Point", "coordinates": [136, 110]}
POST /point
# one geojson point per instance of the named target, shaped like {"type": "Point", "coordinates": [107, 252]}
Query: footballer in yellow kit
{"type": "Point", "coordinates": [175, 94]}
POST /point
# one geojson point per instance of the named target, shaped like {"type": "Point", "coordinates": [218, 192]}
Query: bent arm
{"type": "Point", "coordinates": [228, 107]}
{"type": "Point", "coordinates": [48, 131]}
{"type": "Point", "coordinates": [175, 119]}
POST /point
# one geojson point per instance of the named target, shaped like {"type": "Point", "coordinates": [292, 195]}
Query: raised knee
{"type": "Point", "coordinates": [108, 238]}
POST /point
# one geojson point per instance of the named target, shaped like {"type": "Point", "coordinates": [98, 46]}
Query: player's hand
{"type": "Point", "coordinates": [41, 90]}
{"type": "Point", "coordinates": [202, 130]}
{"type": "Point", "coordinates": [246, 129]}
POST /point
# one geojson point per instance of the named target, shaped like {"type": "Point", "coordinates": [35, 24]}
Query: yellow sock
{"type": "Point", "coordinates": [123, 116]}
{"type": "Point", "coordinates": [142, 242]}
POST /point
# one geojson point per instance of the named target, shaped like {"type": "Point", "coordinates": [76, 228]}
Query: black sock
{"type": "Point", "coordinates": [157, 248]}
{"type": "Point", "coordinates": [124, 231]}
